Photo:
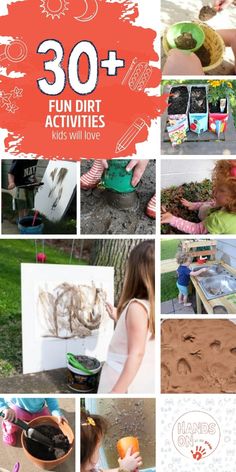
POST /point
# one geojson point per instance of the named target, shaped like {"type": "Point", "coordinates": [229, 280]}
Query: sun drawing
{"type": "Point", "coordinates": [54, 8]}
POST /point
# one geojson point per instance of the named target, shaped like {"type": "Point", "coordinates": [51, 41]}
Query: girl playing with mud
{"type": "Point", "coordinates": [217, 216]}
{"type": "Point", "coordinates": [184, 272]}
{"type": "Point", "coordinates": [130, 364]}
{"type": "Point", "coordinates": [91, 179]}
{"type": "Point", "coordinates": [92, 431]}
{"type": "Point", "coordinates": [25, 409]}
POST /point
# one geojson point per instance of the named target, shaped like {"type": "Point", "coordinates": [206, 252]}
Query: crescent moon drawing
{"type": "Point", "coordinates": [91, 9]}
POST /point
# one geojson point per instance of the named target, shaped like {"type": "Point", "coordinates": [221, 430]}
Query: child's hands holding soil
{"type": "Point", "coordinates": [9, 415]}
{"type": "Point", "coordinates": [187, 204]}
{"type": "Point", "coordinates": [112, 311]}
{"type": "Point", "coordinates": [131, 461]}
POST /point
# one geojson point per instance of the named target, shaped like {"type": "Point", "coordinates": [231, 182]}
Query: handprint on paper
{"type": "Point", "coordinates": [199, 453]}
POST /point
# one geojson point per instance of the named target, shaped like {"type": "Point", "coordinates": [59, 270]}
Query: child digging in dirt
{"type": "Point", "coordinates": [92, 431]}
{"type": "Point", "coordinates": [25, 409]}
{"type": "Point", "coordinates": [184, 272]}
{"type": "Point", "coordinates": [219, 215]}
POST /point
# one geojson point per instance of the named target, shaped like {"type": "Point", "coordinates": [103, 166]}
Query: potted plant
{"type": "Point", "coordinates": [218, 98]}
{"type": "Point", "coordinates": [198, 109]}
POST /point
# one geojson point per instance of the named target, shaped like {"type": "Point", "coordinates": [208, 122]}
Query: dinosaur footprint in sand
{"type": "Point", "coordinates": [216, 345]}
{"type": "Point", "coordinates": [165, 376]}
{"type": "Point", "coordinates": [183, 367]}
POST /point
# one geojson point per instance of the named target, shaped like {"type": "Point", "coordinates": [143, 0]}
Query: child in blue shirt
{"type": "Point", "coordinates": [25, 409]}
{"type": "Point", "coordinates": [184, 272]}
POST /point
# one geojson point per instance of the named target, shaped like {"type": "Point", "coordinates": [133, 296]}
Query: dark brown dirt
{"type": "Point", "coordinates": [99, 217]}
{"type": "Point", "coordinates": [185, 41]}
{"type": "Point", "coordinates": [198, 100]}
{"type": "Point", "coordinates": [204, 55]}
{"type": "Point", "coordinates": [45, 453]}
{"type": "Point", "coordinates": [178, 100]}
{"type": "Point", "coordinates": [206, 13]}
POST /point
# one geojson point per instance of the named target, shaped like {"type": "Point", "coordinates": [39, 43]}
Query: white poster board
{"type": "Point", "coordinates": [60, 285]}
{"type": "Point", "coordinates": [53, 198]}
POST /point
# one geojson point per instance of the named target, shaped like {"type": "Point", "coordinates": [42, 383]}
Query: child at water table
{"type": "Point", "coordinates": [184, 272]}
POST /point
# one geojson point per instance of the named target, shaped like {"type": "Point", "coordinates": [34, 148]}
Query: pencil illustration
{"type": "Point", "coordinates": [130, 134]}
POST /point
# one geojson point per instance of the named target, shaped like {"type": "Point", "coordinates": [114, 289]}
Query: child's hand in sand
{"type": "Point", "coordinates": [187, 204]}
{"type": "Point", "coordinates": [9, 415]}
{"type": "Point", "coordinates": [112, 311]}
{"type": "Point", "coordinates": [130, 461]}
{"type": "Point", "coordinates": [221, 4]}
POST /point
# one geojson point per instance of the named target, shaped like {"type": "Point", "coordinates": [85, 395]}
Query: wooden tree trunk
{"type": "Point", "coordinates": [114, 253]}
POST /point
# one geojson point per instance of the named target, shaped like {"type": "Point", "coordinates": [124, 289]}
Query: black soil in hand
{"type": "Point", "coordinates": [59, 440]}
{"type": "Point", "coordinates": [185, 41]}
{"type": "Point", "coordinates": [198, 100]}
{"type": "Point", "coordinates": [178, 100]}
{"type": "Point", "coordinates": [204, 55]}
{"type": "Point", "coordinates": [206, 13]}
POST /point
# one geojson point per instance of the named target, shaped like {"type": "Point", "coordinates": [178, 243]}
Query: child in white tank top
{"type": "Point", "coordinates": [130, 364]}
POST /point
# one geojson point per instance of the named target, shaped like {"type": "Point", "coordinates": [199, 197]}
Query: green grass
{"type": "Point", "coordinates": [168, 286]}
{"type": "Point", "coordinates": [12, 254]}
{"type": "Point", "coordinates": [169, 248]}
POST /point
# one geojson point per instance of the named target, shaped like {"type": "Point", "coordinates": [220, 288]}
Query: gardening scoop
{"type": "Point", "coordinates": [35, 435]}
{"type": "Point", "coordinates": [32, 433]}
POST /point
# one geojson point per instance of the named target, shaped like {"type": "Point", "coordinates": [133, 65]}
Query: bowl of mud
{"type": "Point", "coordinates": [42, 456]}
{"type": "Point", "coordinates": [210, 53]}
{"type": "Point", "coordinates": [186, 36]}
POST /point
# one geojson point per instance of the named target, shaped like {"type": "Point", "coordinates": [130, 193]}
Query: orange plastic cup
{"type": "Point", "coordinates": [125, 443]}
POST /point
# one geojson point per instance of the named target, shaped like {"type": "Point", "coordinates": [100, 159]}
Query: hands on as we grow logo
{"type": "Point", "coordinates": [196, 435]}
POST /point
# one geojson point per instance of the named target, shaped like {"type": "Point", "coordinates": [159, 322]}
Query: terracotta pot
{"type": "Point", "coordinates": [51, 421]}
{"type": "Point", "coordinates": [124, 443]}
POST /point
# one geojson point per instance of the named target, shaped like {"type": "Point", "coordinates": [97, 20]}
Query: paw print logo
{"type": "Point", "coordinates": [199, 453]}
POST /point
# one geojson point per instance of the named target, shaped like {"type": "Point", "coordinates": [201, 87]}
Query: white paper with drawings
{"type": "Point", "coordinates": [54, 197]}
{"type": "Point", "coordinates": [63, 310]}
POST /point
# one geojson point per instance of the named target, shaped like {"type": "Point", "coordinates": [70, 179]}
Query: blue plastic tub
{"type": "Point", "coordinates": [25, 225]}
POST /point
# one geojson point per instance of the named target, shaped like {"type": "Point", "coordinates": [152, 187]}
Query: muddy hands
{"type": "Point", "coordinates": [199, 453]}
